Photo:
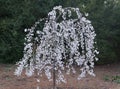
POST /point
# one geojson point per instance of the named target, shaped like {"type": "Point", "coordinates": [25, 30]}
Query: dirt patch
{"type": "Point", "coordinates": [9, 81]}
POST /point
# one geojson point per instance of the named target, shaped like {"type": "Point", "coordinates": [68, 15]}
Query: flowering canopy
{"type": "Point", "coordinates": [67, 38]}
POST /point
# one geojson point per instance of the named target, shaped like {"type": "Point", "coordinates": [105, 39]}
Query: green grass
{"type": "Point", "coordinates": [115, 79]}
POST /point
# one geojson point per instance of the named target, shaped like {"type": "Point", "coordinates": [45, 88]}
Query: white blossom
{"type": "Point", "coordinates": [25, 30]}
{"type": "Point", "coordinates": [86, 14]}
{"type": "Point", "coordinates": [38, 80]}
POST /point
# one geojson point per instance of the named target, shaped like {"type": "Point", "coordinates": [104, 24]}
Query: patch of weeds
{"type": "Point", "coordinates": [107, 78]}
{"type": "Point", "coordinates": [115, 79]}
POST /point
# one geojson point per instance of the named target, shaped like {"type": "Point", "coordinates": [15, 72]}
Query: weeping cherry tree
{"type": "Point", "coordinates": [66, 39]}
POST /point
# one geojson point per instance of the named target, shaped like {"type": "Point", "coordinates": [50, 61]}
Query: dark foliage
{"type": "Point", "coordinates": [15, 15]}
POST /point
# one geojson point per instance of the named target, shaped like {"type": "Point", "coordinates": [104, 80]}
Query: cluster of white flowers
{"type": "Point", "coordinates": [60, 44]}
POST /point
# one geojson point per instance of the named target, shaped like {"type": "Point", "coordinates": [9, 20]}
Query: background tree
{"type": "Point", "coordinates": [17, 15]}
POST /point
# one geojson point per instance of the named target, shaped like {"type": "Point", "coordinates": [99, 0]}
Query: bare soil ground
{"type": "Point", "coordinates": [9, 81]}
